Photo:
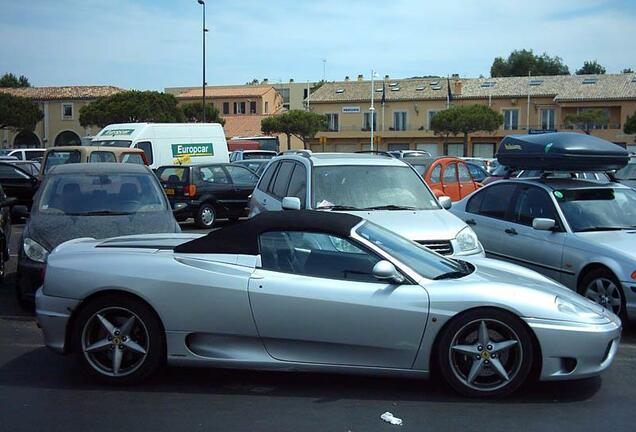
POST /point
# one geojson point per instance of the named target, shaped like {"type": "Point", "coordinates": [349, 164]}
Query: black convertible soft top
{"type": "Point", "coordinates": [242, 238]}
{"type": "Point", "coordinates": [561, 151]}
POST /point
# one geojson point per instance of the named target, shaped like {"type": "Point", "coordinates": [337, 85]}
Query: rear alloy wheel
{"type": "Point", "coordinates": [485, 353]}
{"type": "Point", "coordinates": [119, 339]}
{"type": "Point", "coordinates": [603, 288]}
{"type": "Point", "coordinates": [206, 216]}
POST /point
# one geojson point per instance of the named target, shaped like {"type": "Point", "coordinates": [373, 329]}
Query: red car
{"type": "Point", "coordinates": [446, 176]}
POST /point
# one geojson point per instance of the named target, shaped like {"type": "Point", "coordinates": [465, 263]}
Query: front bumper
{"type": "Point", "coordinates": [184, 208]}
{"type": "Point", "coordinates": [574, 350]}
{"type": "Point", "coordinates": [53, 315]}
{"type": "Point", "coordinates": [29, 277]}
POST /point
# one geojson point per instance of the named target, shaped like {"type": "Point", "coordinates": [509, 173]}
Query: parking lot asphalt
{"type": "Point", "coordinates": [43, 391]}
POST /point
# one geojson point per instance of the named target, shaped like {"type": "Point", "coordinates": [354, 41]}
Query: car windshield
{"type": "Point", "coordinates": [111, 143]}
{"type": "Point", "coordinates": [258, 155]}
{"type": "Point", "coordinates": [627, 173]}
{"type": "Point", "coordinates": [603, 209]}
{"type": "Point", "coordinates": [60, 158]}
{"type": "Point", "coordinates": [370, 187]}
{"type": "Point", "coordinates": [101, 194]}
{"type": "Point", "coordinates": [420, 259]}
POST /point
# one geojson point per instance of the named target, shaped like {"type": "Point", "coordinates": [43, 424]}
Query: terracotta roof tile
{"type": "Point", "coordinates": [62, 93]}
{"type": "Point", "coordinates": [243, 125]}
{"type": "Point", "coordinates": [220, 92]}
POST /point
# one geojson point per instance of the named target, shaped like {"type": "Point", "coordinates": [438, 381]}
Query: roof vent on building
{"type": "Point", "coordinates": [590, 80]}
{"type": "Point", "coordinates": [340, 90]}
{"type": "Point", "coordinates": [487, 84]}
{"type": "Point", "coordinates": [436, 87]}
{"type": "Point", "coordinates": [535, 82]}
{"type": "Point", "coordinates": [456, 76]}
{"type": "Point", "coordinates": [386, 77]}
{"type": "Point", "coordinates": [419, 88]}
{"type": "Point", "coordinates": [396, 88]}
{"type": "Point", "coordinates": [347, 78]}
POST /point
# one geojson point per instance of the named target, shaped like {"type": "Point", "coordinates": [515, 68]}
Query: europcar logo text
{"type": "Point", "coordinates": [113, 132]}
{"type": "Point", "coordinates": [192, 150]}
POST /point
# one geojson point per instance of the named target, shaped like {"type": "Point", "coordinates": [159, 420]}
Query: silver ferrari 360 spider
{"type": "Point", "coordinates": [315, 291]}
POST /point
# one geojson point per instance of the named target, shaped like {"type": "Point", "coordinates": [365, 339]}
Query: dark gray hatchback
{"type": "Point", "coordinates": [89, 200]}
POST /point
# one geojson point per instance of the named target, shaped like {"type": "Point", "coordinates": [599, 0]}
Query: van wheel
{"type": "Point", "coordinates": [206, 216]}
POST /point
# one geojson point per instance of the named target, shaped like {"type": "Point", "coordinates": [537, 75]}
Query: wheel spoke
{"type": "Point", "coordinates": [483, 334]}
{"type": "Point", "coordinates": [593, 295]}
{"type": "Point", "coordinates": [475, 370]}
{"type": "Point", "coordinates": [101, 345]}
{"type": "Point", "coordinates": [127, 326]}
{"type": "Point", "coordinates": [134, 346]}
{"type": "Point", "coordinates": [106, 324]}
{"type": "Point", "coordinates": [498, 367]}
{"type": "Point", "coordinates": [501, 346]}
{"type": "Point", "coordinates": [600, 288]}
{"type": "Point", "coordinates": [117, 357]}
{"type": "Point", "coordinates": [466, 349]}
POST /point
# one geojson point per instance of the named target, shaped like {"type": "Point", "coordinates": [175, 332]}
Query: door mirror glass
{"type": "Point", "coordinates": [543, 224]}
{"type": "Point", "coordinates": [445, 202]}
{"type": "Point", "coordinates": [291, 203]}
{"type": "Point", "coordinates": [385, 271]}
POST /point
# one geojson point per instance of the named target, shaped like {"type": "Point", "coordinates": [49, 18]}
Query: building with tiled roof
{"type": "Point", "coordinates": [60, 105]}
{"type": "Point", "coordinates": [403, 122]}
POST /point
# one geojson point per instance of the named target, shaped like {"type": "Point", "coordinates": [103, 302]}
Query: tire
{"type": "Point", "coordinates": [25, 303]}
{"type": "Point", "coordinates": [470, 369]}
{"type": "Point", "coordinates": [602, 287]}
{"type": "Point", "coordinates": [96, 342]}
{"type": "Point", "coordinates": [206, 216]}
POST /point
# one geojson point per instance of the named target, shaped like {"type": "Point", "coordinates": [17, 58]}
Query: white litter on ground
{"type": "Point", "coordinates": [390, 418]}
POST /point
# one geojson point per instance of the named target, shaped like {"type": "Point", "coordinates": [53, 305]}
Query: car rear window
{"type": "Point", "coordinates": [102, 156]}
{"type": "Point", "coordinates": [59, 157]}
{"type": "Point", "coordinates": [174, 174]}
{"type": "Point", "coordinates": [133, 158]}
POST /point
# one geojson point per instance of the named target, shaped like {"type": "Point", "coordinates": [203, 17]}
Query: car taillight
{"type": "Point", "coordinates": [190, 190]}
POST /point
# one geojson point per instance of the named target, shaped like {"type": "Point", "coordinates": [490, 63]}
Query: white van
{"type": "Point", "coordinates": [169, 143]}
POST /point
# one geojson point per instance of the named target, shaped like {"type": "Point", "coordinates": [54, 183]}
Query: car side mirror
{"type": "Point", "coordinates": [445, 202]}
{"type": "Point", "coordinates": [291, 203]}
{"type": "Point", "coordinates": [543, 224]}
{"type": "Point", "coordinates": [386, 271]}
{"type": "Point", "coordinates": [19, 212]}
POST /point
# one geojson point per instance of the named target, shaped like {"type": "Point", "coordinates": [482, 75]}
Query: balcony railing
{"type": "Point", "coordinates": [409, 128]}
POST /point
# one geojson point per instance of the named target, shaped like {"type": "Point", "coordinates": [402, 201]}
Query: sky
{"type": "Point", "coordinates": [153, 44]}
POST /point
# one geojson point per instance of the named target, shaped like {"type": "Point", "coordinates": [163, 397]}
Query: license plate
{"type": "Point", "coordinates": [169, 191]}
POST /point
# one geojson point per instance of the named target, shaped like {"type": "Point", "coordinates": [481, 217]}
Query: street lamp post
{"type": "Point", "coordinates": [372, 108]}
{"type": "Point", "coordinates": [202, 3]}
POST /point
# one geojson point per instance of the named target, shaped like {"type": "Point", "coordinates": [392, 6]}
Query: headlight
{"type": "Point", "coordinates": [467, 240]}
{"type": "Point", "coordinates": [577, 309]}
{"type": "Point", "coordinates": [35, 250]}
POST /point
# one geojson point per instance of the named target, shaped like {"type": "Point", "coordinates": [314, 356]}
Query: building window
{"type": "Point", "coordinates": [430, 117]}
{"type": "Point", "coordinates": [592, 125]}
{"type": "Point", "coordinates": [399, 120]}
{"type": "Point", "coordinates": [226, 107]}
{"type": "Point", "coordinates": [266, 107]}
{"type": "Point", "coordinates": [252, 107]}
{"type": "Point", "coordinates": [332, 122]}
{"type": "Point", "coordinates": [455, 149]}
{"type": "Point", "coordinates": [367, 121]}
{"type": "Point", "coordinates": [483, 150]}
{"type": "Point", "coordinates": [396, 147]}
{"type": "Point", "coordinates": [67, 111]}
{"type": "Point", "coordinates": [511, 119]}
{"type": "Point", "coordinates": [239, 107]}
{"type": "Point", "coordinates": [547, 118]}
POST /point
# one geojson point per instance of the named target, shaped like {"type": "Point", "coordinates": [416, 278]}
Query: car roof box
{"type": "Point", "coordinates": [561, 151]}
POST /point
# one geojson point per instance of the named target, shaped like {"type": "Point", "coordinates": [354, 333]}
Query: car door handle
{"type": "Point", "coordinates": [471, 222]}
{"type": "Point", "coordinates": [511, 231]}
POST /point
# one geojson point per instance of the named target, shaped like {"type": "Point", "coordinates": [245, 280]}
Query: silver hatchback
{"type": "Point", "coordinates": [379, 188]}
{"type": "Point", "coordinates": [581, 233]}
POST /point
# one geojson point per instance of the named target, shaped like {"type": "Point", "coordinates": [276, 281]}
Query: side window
{"type": "Point", "coordinates": [9, 172]}
{"type": "Point", "coordinates": [474, 171]}
{"type": "Point", "coordinates": [281, 183]}
{"type": "Point", "coordinates": [214, 174]}
{"type": "Point", "coordinates": [241, 176]}
{"type": "Point", "coordinates": [267, 177]}
{"type": "Point", "coordinates": [133, 158]}
{"type": "Point", "coordinates": [450, 173]}
{"type": "Point", "coordinates": [464, 175]}
{"type": "Point", "coordinates": [146, 146]}
{"type": "Point", "coordinates": [316, 255]}
{"type": "Point", "coordinates": [436, 174]}
{"type": "Point", "coordinates": [532, 203]}
{"type": "Point", "coordinates": [495, 201]}
{"type": "Point", "coordinates": [102, 156]}
{"type": "Point", "coordinates": [298, 184]}
{"type": "Point", "coordinates": [34, 155]}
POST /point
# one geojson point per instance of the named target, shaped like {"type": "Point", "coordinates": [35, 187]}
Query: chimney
{"type": "Point", "coordinates": [455, 76]}
{"type": "Point", "coordinates": [458, 88]}
{"type": "Point", "coordinates": [265, 81]}
{"type": "Point", "coordinates": [360, 77]}
{"type": "Point", "coordinates": [347, 78]}
{"type": "Point", "coordinates": [386, 77]}
{"type": "Point", "coordinates": [291, 80]}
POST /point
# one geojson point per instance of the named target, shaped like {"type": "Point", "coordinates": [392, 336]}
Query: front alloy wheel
{"type": "Point", "coordinates": [485, 353]}
{"type": "Point", "coordinates": [605, 292]}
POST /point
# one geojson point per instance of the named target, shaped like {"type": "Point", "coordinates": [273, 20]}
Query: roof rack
{"type": "Point", "coordinates": [304, 153]}
{"type": "Point", "coordinates": [378, 152]}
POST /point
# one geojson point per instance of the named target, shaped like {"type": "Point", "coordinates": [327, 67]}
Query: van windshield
{"type": "Point", "coordinates": [111, 143]}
